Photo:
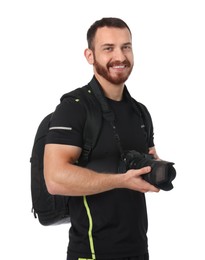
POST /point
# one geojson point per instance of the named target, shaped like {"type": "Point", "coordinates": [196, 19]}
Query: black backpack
{"type": "Point", "coordinates": [54, 209]}
{"type": "Point", "coordinates": [49, 209]}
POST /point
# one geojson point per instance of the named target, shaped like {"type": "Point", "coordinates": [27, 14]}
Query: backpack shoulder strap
{"type": "Point", "coordinates": [93, 121]}
{"type": "Point", "coordinates": [144, 113]}
{"type": "Point", "coordinates": [147, 120]}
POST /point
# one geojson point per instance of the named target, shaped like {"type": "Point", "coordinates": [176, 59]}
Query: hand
{"type": "Point", "coordinates": [153, 152]}
{"type": "Point", "coordinates": [134, 181]}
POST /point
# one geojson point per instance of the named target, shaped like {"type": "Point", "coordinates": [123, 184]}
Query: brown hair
{"type": "Point", "coordinates": [108, 22]}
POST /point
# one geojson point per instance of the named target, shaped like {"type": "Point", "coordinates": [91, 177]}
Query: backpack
{"type": "Point", "coordinates": [54, 209]}
{"type": "Point", "coordinates": [49, 209]}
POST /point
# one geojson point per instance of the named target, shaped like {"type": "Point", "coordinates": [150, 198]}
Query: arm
{"type": "Point", "coordinates": [64, 178]}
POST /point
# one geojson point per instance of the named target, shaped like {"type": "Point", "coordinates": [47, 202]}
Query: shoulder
{"type": "Point", "coordinates": [79, 104]}
{"type": "Point", "coordinates": [82, 96]}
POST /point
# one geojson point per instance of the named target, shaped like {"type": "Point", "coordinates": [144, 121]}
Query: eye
{"type": "Point", "coordinates": [127, 47]}
{"type": "Point", "coordinates": [108, 48]}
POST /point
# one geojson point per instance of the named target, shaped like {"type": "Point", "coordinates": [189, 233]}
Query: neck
{"type": "Point", "coordinates": [111, 91]}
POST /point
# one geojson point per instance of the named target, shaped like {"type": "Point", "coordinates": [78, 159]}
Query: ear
{"type": "Point", "coordinates": [88, 53]}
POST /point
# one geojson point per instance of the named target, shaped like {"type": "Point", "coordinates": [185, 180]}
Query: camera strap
{"type": "Point", "coordinates": [117, 139]}
{"type": "Point", "coordinates": [108, 114]}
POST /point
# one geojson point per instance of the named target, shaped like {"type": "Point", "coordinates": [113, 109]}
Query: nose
{"type": "Point", "coordinates": [118, 54]}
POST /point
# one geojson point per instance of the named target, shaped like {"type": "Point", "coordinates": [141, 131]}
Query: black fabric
{"type": "Point", "coordinates": [140, 257]}
{"type": "Point", "coordinates": [49, 209]}
{"type": "Point", "coordinates": [119, 216]}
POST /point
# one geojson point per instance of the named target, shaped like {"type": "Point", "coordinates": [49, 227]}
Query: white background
{"type": "Point", "coordinates": [41, 58]}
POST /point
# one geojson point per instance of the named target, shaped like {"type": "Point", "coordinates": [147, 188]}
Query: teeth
{"type": "Point", "coordinates": [118, 67]}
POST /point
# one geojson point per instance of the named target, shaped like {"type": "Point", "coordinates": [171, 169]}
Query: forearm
{"type": "Point", "coordinates": [78, 181]}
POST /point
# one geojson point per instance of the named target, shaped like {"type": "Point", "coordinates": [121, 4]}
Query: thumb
{"type": "Point", "coordinates": [145, 170]}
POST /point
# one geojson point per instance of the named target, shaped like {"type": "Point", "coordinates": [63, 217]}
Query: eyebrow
{"type": "Point", "coordinates": [127, 43]}
{"type": "Point", "coordinates": [111, 44]}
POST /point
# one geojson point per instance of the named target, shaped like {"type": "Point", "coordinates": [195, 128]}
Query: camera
{"type": "Point", "coordinates": [162, 172]}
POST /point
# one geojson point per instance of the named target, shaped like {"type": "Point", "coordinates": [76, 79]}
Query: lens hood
{"type": "Point", "coordinates": [162, 174]}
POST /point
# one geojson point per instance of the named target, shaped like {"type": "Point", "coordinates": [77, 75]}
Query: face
{"type": "Point", "coordinates": [112, 55]}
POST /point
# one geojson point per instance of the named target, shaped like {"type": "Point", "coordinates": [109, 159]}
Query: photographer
{"type": "Point", "coordinates": [108, 209]}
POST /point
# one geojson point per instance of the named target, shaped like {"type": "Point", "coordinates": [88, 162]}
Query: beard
{"type": "Point", "coordinates": [120, 78]}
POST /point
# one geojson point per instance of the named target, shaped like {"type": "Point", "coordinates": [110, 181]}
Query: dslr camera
{"type": "Point", "coordinates": [162, 172]}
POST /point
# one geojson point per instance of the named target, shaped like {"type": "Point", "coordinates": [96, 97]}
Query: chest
{"type": "Point", "coordinates": [129, 127]}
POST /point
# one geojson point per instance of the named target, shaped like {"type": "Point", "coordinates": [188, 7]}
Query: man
{"type": "Point", "coordinates": [108, 209]}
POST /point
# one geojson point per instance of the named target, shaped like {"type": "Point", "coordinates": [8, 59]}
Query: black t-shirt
{"type": "Point", "coordinates": [119, 216]}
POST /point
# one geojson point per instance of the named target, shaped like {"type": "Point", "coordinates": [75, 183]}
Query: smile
{"type": "Point", "coordinates": [119, 67]}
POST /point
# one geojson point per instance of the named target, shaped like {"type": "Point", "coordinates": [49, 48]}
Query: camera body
{"type": "Point", "coordinates": [162, 172]}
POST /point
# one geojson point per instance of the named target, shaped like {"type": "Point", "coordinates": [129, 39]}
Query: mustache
{"type": "Point", "coordinates": [119, 63]}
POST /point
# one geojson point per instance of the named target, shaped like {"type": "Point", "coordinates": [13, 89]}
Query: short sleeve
{"type": "Point", "coordinates": [67, 123]}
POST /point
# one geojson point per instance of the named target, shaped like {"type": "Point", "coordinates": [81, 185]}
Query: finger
{"type": "Point", "coordinates": [153, 189]}
{"type": "Point", "coordinates": [145, 170]}
{"type": "Point", "coordinates": [150, 187]}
